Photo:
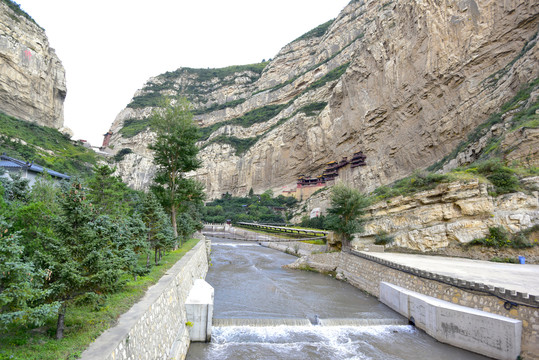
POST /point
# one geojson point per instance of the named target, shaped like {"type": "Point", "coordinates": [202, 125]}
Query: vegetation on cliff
{"type": "Point", "coordinates": [17, 9]}
{"type": "Point", "coordinates": [521, 117]}
{"type": "Point", "coordinates": [241, 146]}
{"type": "Point", "coordinates": [132, 127]}
{"type": "Point", "coordinates": [46, 146]}
{"type": "Point", "coordinates": [490, 165]}
{"type": "Point", "coordinates": [318, 31]}
{"type": "Point", "coordinates": [200, 83]}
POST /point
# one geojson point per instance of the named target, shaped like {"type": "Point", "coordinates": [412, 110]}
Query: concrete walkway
{"type": "Point", "coordinates": [523, 278]}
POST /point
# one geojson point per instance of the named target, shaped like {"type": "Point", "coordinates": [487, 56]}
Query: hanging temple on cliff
{"type": "Point", "coordinates": [306, 186]}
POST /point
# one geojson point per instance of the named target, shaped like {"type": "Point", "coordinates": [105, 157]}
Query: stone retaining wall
{"type": "Point", "coordinates": [154, 328]}
{"type": "Point", "coordinates": [367, 274]}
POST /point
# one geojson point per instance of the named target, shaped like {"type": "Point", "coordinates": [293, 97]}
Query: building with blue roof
{"type": "Point", "coordinates": [28, 170]}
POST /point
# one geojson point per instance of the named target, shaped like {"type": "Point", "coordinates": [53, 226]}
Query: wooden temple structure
{"type": "Point", "coordinates": [308, 185]}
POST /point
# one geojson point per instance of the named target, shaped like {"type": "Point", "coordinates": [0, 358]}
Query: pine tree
{"type": "Point", "coordinates": [81, 259]}
{"type": "Point", "coordinates": [22, 297]}
{"type": "Point", "coordinates": [108, 193]}
{"type": "Point", "coordinates": [159, 233]}
{"type": "Point", "coordinates": [16, 188]}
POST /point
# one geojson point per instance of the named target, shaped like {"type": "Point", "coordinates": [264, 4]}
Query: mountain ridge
{"type": "Point", "coordinates": [420, 77]}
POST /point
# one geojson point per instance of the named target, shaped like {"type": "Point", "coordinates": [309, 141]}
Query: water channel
{"type": "Point", "coordinates": [251, 285]}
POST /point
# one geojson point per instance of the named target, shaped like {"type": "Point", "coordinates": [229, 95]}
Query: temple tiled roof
{"type": "Point", "coordinates": [12, 163]}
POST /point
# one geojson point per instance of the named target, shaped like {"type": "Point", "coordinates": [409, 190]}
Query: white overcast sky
{"type": "Point", "coordinates": [109, 48]}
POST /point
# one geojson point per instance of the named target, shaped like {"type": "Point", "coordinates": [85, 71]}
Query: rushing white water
{"type": "Point", "coordinates": [281, 308]}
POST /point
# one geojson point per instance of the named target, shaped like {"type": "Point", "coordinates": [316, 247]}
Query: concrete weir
{"type": "Point", "coordinates": [199, 311]}
{"type": "Point", "coordinates": [488, 334]}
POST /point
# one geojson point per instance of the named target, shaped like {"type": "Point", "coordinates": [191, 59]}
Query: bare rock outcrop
{"type": "Point", "coordinates": [454, 213]}
{"type": "Point", "coordinates": [32, 78]}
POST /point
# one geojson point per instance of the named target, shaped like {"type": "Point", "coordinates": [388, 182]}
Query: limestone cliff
{"type": "Point", "coordinates": [403, 81]}
{"type": "Point", "coordinates": [454, 213]}
{"type": "Point", "coordinates": [32, 78]}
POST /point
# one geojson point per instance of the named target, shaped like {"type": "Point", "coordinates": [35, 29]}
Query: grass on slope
{"type": "Point", "coordinates": [37, 141]}
{"type": "Point", "coordinates": [17, 9]}
{"type": "Point", "coordinates": [318, 31]}
{"type": "Point", "coordinates": [192, 90]}
{"type": "Point", "coordinates": [243, 145]}
{"type": "Point", "coordinates": [84, 322]}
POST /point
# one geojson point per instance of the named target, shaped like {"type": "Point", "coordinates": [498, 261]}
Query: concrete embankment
{"type": "Point", "coordinates": [155, 327]}
{"type": "Point", "coordinates": [367, 272]}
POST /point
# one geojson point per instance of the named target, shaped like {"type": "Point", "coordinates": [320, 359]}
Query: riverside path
{"type": "Point", "coordinates": [518, 277]}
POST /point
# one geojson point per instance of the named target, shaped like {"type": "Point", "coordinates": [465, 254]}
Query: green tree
{"type": "Point", "coordinates": [80, 258]}
{"type": "Point", "coordinates": [108, 193]}
{"type": "Point", "coordinates": [266, 197]}
{"type": "Point", "coordinates": [347, 206]}
{"type": "Point", "coordinates": [22, 297]}
{"type": "Point", "coordinates": [3, 205]}
{"type": "Point", "coordinates": [16, 188]}
{"type": "Point", "coordinates": [158, 233]}
{"type": "Point", "coordinates": [45, 190]}
{"type": "Point", "coordinates": [175, 152]}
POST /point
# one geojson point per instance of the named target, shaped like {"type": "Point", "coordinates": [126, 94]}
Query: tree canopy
{"type": "Point", "coordinates": [175, 154]}
{"type": "Point", "coordinates": [347, 206]}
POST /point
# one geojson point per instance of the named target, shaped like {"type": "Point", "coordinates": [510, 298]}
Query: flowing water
{"type": "Point", "coordinates": [263, 311]}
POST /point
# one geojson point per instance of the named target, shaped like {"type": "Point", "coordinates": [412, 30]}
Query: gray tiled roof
{"type": "Point", "coordinates": [12, 163]}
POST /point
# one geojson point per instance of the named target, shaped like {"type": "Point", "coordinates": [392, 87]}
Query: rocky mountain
{"type": "Point", "coordinates": [403, 81]}
{"type": "Point", "coordinates": [32, 78]}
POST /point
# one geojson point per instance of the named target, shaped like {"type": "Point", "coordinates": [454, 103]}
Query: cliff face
{"type": "Point", "coordinates": [454, 213]}
{"type": "Point", "coordinates": [402, 81]}
{"type": "Point", "coordinates": [32, 78]}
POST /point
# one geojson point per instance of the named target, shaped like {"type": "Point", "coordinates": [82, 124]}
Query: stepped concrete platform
{"type": "Point", "coordinates": [522, 278]}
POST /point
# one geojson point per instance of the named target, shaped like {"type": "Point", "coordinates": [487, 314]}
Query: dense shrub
{"type": "Point", "coordinates": [502, 177]}
{"type": "Point", "coordinates": [121, 154]}
{"type": "Point", "coordinates": [314, 223]}
{"type": "Point", "coordinates": [419, 181]}
{"type": "Point", "coordinates": [216, 107]}
{"type": "Point", "coordinates": [383, 238]}
{"type": "Point", "coordinates": [313, 108]}
{"type": "Point", "coordinates": [499, 237]}
{"type": "Point", "coordinates": [330, 76]}
{"type": "Point", "coordinates": [504, 260]}
{"type": "Point", "coordinates": [132, 127]}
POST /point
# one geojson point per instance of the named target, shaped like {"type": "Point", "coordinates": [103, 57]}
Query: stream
{"type": "Point", "coordinates": [263, 311]}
